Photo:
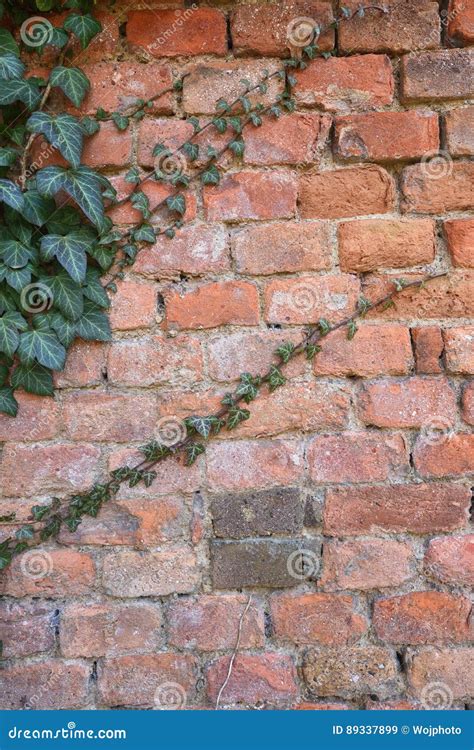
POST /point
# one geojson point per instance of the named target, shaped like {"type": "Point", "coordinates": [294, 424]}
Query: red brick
{"type": "Point", "coordinates": [450, 559]}
{"type": "Point", "coordinates": [142, 679]}
{"type": "Point", "coordinates": [172, 134]}
{"type": "Point", "coordinates": [156, 360]}
{"type": "Point", "coordinates": [385, 243]}
{"type": "Point", "coordinates": [246, 464]}
{"type": "Point", "coordinates": [41, 469]}
{"type": "Point", "coordinates": [459, 128]}
{"type": "Point", "coordinates": [170, 33]}
{"type": "Point", "coordinates": [453, 668]}
{"type": "Point", "coordinates": [85, 365]}
{"type": "Point", "coordinates": [132, 574]}
{"type": "Point", "coordinates": [109, 147]}
{"type": "Point", "coordinates": [291, 139]}
{"type": "Point", "coordinates": [214, 304]}
{"type": "Point", "coordinates": [321, 707]}
{"type": "Point", "coordinates": [429, 346]}
{"type": "Point", "coordinates": [421, 617]}
{"type": "Point", "coordinates": [45, 685]}
{"type": "Point", "coordinates": [459, 350]}
{"type": "Point", "coordinates": [344, 84]}
{"type": "Point", "coordinates": [394, 705]}
{"type": "Point", "coordinates": [251, 195]}
{"type": "Point", "coordinates": [104, 416]}
{"type": "Point", "coordinates": [49, 573]}
{"type": "Point", "coordinates": [446, 458]}
{"type": "Point", "coordinates": [416, 402]}
{"type": "Point", "coordinates": [230, 354]}
{"type": "Point", "coordinates": [346, 192]}
{"type": "Point", "coordinates": [424, 193]}
{"type": "Point", "coordinates": [366, 564]}
{"type": "Point", "coordinates": [408, 25]}
{"type": "Point", "coordinates": [326, 619]}
{"type": "Point", "coordinates": [156, 192]}
{"type": "Point", "coordinates": [172, 476]}
{"type": "Point", "coordinates": [133, 306]}
{"type": "Point", "coordinates": [37, 419]}
{"type": "Point", "coordinates": [269, 677]}
{"type": "Point", "coordinates": [276, 19]}
{"type": "Point", "coordinates": [195, 250]}
{"type": "Point", "coordinates": [356, 457]}
{"type": "Point", "coordinates": [460, 237]}
{"type": "Point", "coordinates": [208, 82]}
{"type": "Point", "coordinates": [445, 74]}
{"type": "Point", "coordinates": [350, 670]}
{"type": "Point", "coordinates": [461, 22]}
{"type": "Point", "coordinates": [106, 630]}
{"type": "Point", "coordinates": [386, 136]}
{"type": "Point", "coordinates": [417, 508]}
{"type": "Point", "coordinates": [375, 350]}
{"type": "Point", "coordinates": [308, 298]}
{"type": "Point", "coordinates": [210, 623]}
{"type": "Point", "coordinates": [468, 404]}
{"type": "Point", "coordinates": [26, 628]}
{"type": "Point", "coordinates": [282, 247]}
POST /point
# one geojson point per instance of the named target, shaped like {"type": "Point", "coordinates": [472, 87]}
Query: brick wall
{"type": "Point", "coordinates": [361, 464]}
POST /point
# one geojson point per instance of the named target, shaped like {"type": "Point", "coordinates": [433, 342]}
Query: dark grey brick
{"type": "Point", "coordinates": [260, 513]}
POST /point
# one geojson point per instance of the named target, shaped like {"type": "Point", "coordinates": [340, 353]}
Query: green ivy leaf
{"type": "Point", "coordinates": [285, 351]}
{"type": "Point", "coordinates": [363, 306]}
{"type": "Point", "coordinates": [141, 202]}
{"type": "Point", "coordinates": [72, 82]}
{"type": "Point", "coordinates": [191, 150]}
{"type": "Point", "coordinates": [34, 379]}
{"type": "Point", "coordinates": [193, 451]}
{"type": "Point", "coordinates": [8, 44]}
{"type": "Point", "coordinates": [220, 123]}
{"type": "Point", "coordinates": [69, 250]}
{"type": "Point", "coordinates": [85, 28]}
{"type": "Point", "coordinates": [43, 347]}
{"type": "Point", "coordinates": [11, 195]}
{"type": "Point", "coordinates": [236, 416]}
{"type": "Point", "coordinates": [64, 132]}
{"type": "Point", "coordinates": [93, 289]}
{"type": "Point", "coordinates": [24, 90]}
{"type": "Point", "coordinates": [66, 295]}
{"type": "Point", "coordinates": [177, 203]}
{"type": "Point", "coordinates": [211, 176]}
{"type": "Point", "coordinates": [8, 402]}
{"type": "Point", "coordinates": [324, 326]}
{"type": "Point", "coordinates": [312, 350]}
{"type": "Point", "coordinates": [8, 156]}
{"type": "Point", "coordinates": [275, 378]}
{"type": "Point", "coordinates": [351, 329]}
{"type": "Point", "coordinates": [120, 121]}
{"type": "Point", "coordinates": [11, 67]}
{"type": "Point", "coordinates": [237, 147]}
{"type": "Point", "coordinates": [144, 233]}
{"type": "Point", "coordinates": [37, 209]}
{"type": "Point", "coordinates": [90, 125]}
{"type": "Point", "coordinates": [94, 324]}
{"type": "Point", "coordinates": [202, 425]}
{"type": "Point", "coordinates": [15, 254]}
{"type": "Point", "coordinates": [248, 388]}
{"type": "Point", "coordinates": [83, 185]}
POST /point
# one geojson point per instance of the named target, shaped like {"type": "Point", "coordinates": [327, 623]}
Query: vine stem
{"type": "Point", "coordinates": [235, 651]}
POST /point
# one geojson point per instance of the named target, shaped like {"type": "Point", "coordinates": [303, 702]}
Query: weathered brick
{"type": "Point", "coordinates": [106, 630]}
{"type": "Point", "coordinates": [386, 136]}
{"type": "Point", "coordinates": [416, 402]}
{"type": "Point", "coordinates": [426, 191]}
{"type": "Point", "coordinates": [429, 346]}
{"type": "Point", "coordinates": [349, 671]}
{"type": "Point", "coordinates": [417, 508]}
{"type": "Point", "coordinates": [375, 350]}
{"type": "Point", "coordinates": [385, 243]}
{"type": "Point", "coordinates": [248, 464]}
{"type": "Point", "coordinates": [344, 84]}
{"type": "Point", "coordinates": [405, 26]}
{"type": "Point", "coordinates": [37, 419]}
{"type": "Point", "coordinates": [460, 237]}
{"type": "Point", "coordinates": [132, 574]}
{"type": "Point", "coordinates": [210, 622]}
{"type": "Point", "coordinates": [143, 680]}
{"type": "Point", "coordinates": [468, 404]}
{"type": "Point", "coordinates": [234, 353]}
{"type": "Point", "coordinates": [170, 33]}
{"type": "Point", "coordinates": [459, 350]}
{"type": "Point", "coordinates": [423, 617]}
{"type": "Point", "coordinates": [155, 360]}
{"type": "Point", "coordinates": [214, 304]}
{"type": "Point", "coordinates": [172, 134]}
{"type": "Point", "coordinates": [26, 628]}
{"type": "Point", "coordinates": [195, 250]}
{"type": "Point", "coordinates": [400, 705]}
{"type": "Point", "coordinates": [461, 22]}
{"type": "Point", "coordinates": [450, 559]}
{"type": "Point", "coordinates": [105, 416]}
{"type": "Point", "coordinates": [356, 457]}
{"type": "Point", "coordinates": [308, 298]}
{"type": "Point", "coordinates": [453, 668]}
{"type": "Point", "coordinates": [366, 564]}
{"type": "Point", "coordinates": [109, 147]}
{"type": "Point", "coordinates": [346, 192]}
{"type": "Point", "coordinates": [48, 685]}
{"type": "Point", "coordinates": [291, 139]}
{"type": "Point", "coordinates": [41, 469]}
{"type": "Point", "coordinates": [85, 365]}
{"type": "Point", "coordinates": [269, 677]}
{"type": "Point", "coordinates": [451, 457]}
{"type": "Point", "coordinates": [272, 563]}
{"type": "Point", "coordinates": [133, 306]}
{"type": "Point", "coordinates": [49, 573]}
{"type": "Point", "coordinates": [445, 74]}
{"type": "Point", "coordinates": [261, 513]}
{"type": "Point", "coordinates": [459, 128]}
{"type": "Point", "coordinates": [251, 195]}
{"type": "Point", "coordinates": [325, 619]}
{"type": "Point", "coordinates": [280, 24]}
{"type": "Point", "coordinates": [282, 247]}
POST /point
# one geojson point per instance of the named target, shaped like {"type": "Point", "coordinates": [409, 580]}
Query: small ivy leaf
{"type": "Point", "coordinates": [202, 425]}
{"type": "Point", "coordinates": [141, 202]}
{"type": "Point", "coordinates": [194, 122]}
{"type": "Point", "coordinates": [275, 378]}
{"type": "Point", "coordinates": [8, 402]}
{"type": "Point", "coordinates": [11, 195]}
{"type": "Point", "coordinates": [133, 176]}
{"type": "Point", "coordinates": [326, 55]}
{"type": "Point", "coordinates": [246, 104]}
{"type": "Point", "coordinates": [285, 351]}
{"type": "Point", "coordinates": [170, 233]}
{"type": "Point", "coordinates": [101, 114]}
{"type": "Point", "coordinates": [346, 12]}
{"type": "Point", "coordinates": [177, 203]}
{"type": "Point", "coordinates": [351, 329]}
{"type": "Point", "coordinates": [7, 518]}
{"type": "Point", "coordinates": [363, 306]}
{"type": "Point", "coordinates": [90, 126]}
{"type": "Point", "coordinates": [237, 147]}
{"type": "Point", "coordinates": [222, 105]}
{"type": "Point", "coordinates": [399, 283]}
{"type": "Point", "coordinates": [236, 124]}
{"type": "Point", "coordinates": [211, 176]}
{"type": "Point", "coordinates": [290, 105]}
{"type": "Point", "coordinates": [85, 28]}
{"type": "Point", "coordinates": [248, 388]}
{"type": "Point", "coordinates": [39, 511]}
{"type": "Point", "coordinates": [5, 557]}
{"type": "Point", "coordinates": [255, 120]}
{"type": "Point", "coordinates": [228, 400]}
{"type": "Point", "coordinates": [220, 123]}
{"type": "Point", "coordinates": [388, 304]}
{"type": "Point", "coordinates": [144, 233]}
{"type": "Point", "coordinates": [120, 121]}
{"type": "Point", "coordinates": [292, 81]}
{"type": "Point", "coordinates": [72, 82]}
{"type": "Point", "coordinates": [236, 416]}
{"type": "Point", "coordinates": [149, 477]}
{"type": "Point", "coordinates": [324, 326]}
{"type": "Point", "coordinates": [34, 379]}
{"type": "Point", "coordinates": [25, 532]}
{"type": "Point", "coordinates": [312, 350]}
{"type": "Point", "coordinates": [276, 111]}
{"type": "Point", "coordinates": [193, 451]}
{"type": "Point", "coordinates": [155, 451]}
{"type": "Point", "coordinates": [191, 150]}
